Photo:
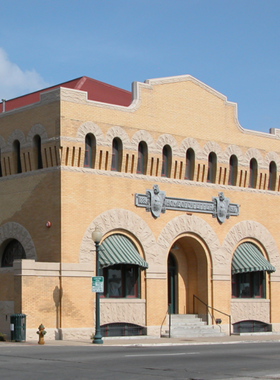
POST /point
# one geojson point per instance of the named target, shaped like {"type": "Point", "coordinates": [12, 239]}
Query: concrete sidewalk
{"type": "Point", "coordinates": [154, 341]}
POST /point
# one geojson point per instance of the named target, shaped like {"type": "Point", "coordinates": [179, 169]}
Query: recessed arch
{"type": "Point", "coordinates": [15, 135]}
{"type": "Point", "coordinates": [13, 230]}
{"type": "Point", "coordinates": [169, 140]}
{"type": "Point", "coordinates": [90, 128]}
{"type": "Point", "coordinates": [251, 230]}
{"type": "Point", "coordinates": [117, 132]}
{"type": "Point", "coordinates": [253, 153]}
{"type": "Point", "coordinates": [193, 144]}
{"type": "Point", "coordinates": [36, 129]}
{"type": "Point", "coordinates": [128, 222]}
{"type": "Point", "coordinates": [143, 136]}
{"type": "Point", "coordinates": [212, 146]}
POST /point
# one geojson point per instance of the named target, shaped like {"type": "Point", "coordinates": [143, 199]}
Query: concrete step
{"type": "Point", "coordinates": [190, 325]}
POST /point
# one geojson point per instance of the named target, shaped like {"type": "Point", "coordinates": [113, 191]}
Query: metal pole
{"type": "Point", "coordinates": [97, 337]}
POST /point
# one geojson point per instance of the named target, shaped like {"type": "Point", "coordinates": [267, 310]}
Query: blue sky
{"type": "Point", "coordinates": [231, 45]}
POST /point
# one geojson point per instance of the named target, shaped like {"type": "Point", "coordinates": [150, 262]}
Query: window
{"type": "Point", "coordinates": [121, 281]}
{"type": "Point", "coordinates": [190, 158]}
{"type": "Point", "coordinates": [17, 161]}
{"type": "Point", "coordinates": [253, 173]}
{"type": "Point", "coordinates": [142, 158]}
{"type": "Point", "coordinates": [37, 152]}
{"type": "Point", "coordinates": [122, 329]}
{"type": "Point", "coordinates": [272, 175]}
{"type": "Point", "coordinates": [90, 151]}
{"type": "Point", "coordinates": [166, 161]}
{"type": "Point", "coordinates": [233, 168]}
{"type": "Point", "coordinates": [212, 167]}
{"type": "Point", "coordinates": [116, 155]}
{"type": "Point", "coordinates": [248, 285]}
{"type": "Point", "coordinates": [13, 251]}
{"type": "Point", "coordinates": [251, 326]}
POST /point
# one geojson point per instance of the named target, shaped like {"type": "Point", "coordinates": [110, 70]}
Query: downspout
{"type": "Point", "coordinates": [3, 105]}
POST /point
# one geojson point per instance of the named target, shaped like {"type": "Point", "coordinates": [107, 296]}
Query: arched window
{"type": "Point", "coordinates": [253, 173]}
{"type": "Point", "coordinates": [190, 160]}
{"type": "Point", "coordinates": [166, 161]}
{"type": "Point", "coordinates": [120, 266]}
{"type": "Point", "coordinates": [116, 155]}
{"type": "Point", "coordinates": [142, 158]}
{"type": "Point", "coordinates": [248, 272]}
{"type": "Point", "coordinates": [37, 152]}
{"type": "Point", "coordinates": [90, 151]}
{"type": "Point", "coordinates": [272, 175]}
{"type": "Point", "coordinates": [212, 167]}
{"type": "Point", "coordinates": [233, 169]}
{"type": "Point", "coordinates": [17, 161]}
{"type": "Point", "coordinates": [13, 251]}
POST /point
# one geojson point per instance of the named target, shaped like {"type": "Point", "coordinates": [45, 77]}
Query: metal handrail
{"type": "Point", "coordinates": [167, 313]}
{"type": "Point", "coordinates": [208, 312]}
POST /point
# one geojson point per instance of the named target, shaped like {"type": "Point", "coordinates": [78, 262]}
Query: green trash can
{"type": "Point", "coordinates": [18, 327]}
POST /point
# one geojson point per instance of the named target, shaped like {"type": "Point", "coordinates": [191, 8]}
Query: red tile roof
{"type": "Point", "coordinates": [98, 91]}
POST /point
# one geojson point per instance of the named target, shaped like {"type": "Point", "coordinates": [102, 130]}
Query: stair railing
{"type": "Point", "coordinates": [169, 321]}
{"type": "Point", "coordinates": [208, 307]}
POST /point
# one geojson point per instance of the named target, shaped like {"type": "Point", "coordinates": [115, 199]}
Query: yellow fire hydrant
{"type": "Point", "coordinates": [41, 333]}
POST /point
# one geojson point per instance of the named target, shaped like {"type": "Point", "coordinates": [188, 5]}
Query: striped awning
{"type": "Point", "coordinates": [248, 258]}
{"type": "Point", "coordinates": [118, 249]}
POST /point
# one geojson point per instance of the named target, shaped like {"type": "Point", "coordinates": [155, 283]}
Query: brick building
{"type": "Point", "coordinates": [187, 201]}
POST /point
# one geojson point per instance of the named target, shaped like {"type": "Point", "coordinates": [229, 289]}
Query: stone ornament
{"type": "Point", "coordinates": [156, 202]}
{"type": "Point", "coordinates": [222, 207]}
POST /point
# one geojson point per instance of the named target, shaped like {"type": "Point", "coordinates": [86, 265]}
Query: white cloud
{"type": "Point", "coordinates": [15, 82]}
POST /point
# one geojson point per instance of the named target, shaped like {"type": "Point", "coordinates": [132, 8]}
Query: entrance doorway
{"type": "Point", "coordinates": [172, 284]}
{"type": "Point", "coordinates": [188, 274]}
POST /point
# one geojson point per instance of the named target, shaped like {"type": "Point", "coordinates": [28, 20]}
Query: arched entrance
{"type": "Point", "coordinates": [188, 275]}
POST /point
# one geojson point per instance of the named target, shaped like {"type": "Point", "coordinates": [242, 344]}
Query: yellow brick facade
{"type": "Point", "coordinates": [53, 284]}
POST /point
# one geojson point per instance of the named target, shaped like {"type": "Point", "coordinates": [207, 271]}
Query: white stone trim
{"type": "Point", "coordinates": [90, 127]}
{"type": "Point", "coordinates": [167, 139]}
{"type": "Point", "coordinates": [15, 135]}
{"type": "Point", "coordinates": [115, 219]}
{"type": "Point", "coordinates": [145, 136]}
{"type": "Point", "coordinates": [243, 309]}
{"type": "Point", "coordinates": [51, 269]}
{"type": "Point", "coordinates": [254, 153]}
{"type": "Point", "coordinates": [250, 229]}
{"type": "Point", "coordinates": [272, 156]}
{"type": "Point", "coordinates": [192, 225]}
{"type": "Point", "coordinates": [212, 146]}
{"type": "Point", "coordinates": [37, 129]}
{"type": "Point", "coordinates": [190, 142]}
{"type": "Point", "coordinates": [234, 150]}
{"type": "Point", "coordinates": [119, 132]}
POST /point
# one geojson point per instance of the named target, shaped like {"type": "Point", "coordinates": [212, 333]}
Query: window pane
{"type": "Point", "coordinates": [234, 286]}
{"type": "Point", "coordinates": [115, 282]}
{"type": "Point", "coordinates": [140, 163]}
{"type": "Point", "coordinates": [244, 286]}
{"type": "Point", "coordinates": [258, 284]}
{"type": "Point", "coordinates": [131, 281]}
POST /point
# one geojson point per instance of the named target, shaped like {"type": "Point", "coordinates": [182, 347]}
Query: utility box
{"type": "Point", "coordinates": [18, 327]}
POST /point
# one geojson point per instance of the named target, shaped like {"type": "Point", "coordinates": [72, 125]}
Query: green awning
{"type": "Point", "coordinates": [248, 258]}
{"type": "Point", "coordinates": [118, 249]}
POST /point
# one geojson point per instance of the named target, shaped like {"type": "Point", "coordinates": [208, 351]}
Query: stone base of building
{"type": "Point", "coordinates": [62, 334]}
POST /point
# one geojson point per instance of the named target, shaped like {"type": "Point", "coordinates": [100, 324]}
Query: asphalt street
{"type": "Point", "coordinates": [220, 361]}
